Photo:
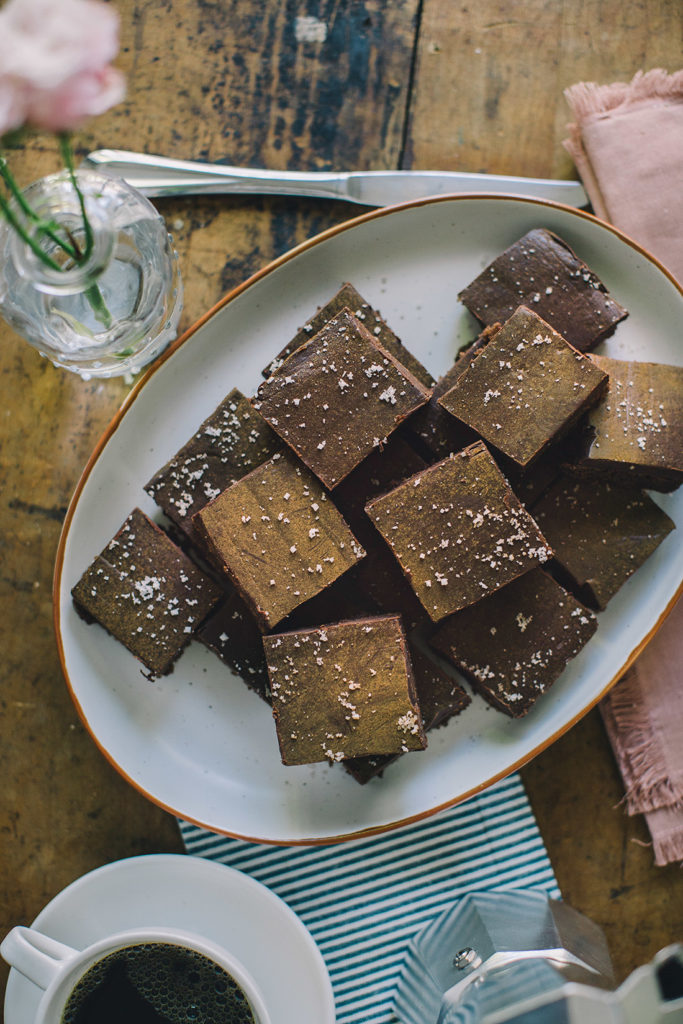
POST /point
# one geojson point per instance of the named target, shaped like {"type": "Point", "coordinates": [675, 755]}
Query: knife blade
{"type": "Point", "coordinates": [163, 176]}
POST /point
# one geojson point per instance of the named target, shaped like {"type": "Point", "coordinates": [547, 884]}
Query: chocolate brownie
{"type": "Point", "coordinates": [236, 637]}
{"type": "Point", "coordinates": [513, 645]}
{"type": "Point", "coordinates": [233, 634]}
{"type": "Point", "coordinates": [347, 296]}
{"type": "Point", "coordinates": [147, 593]}
{"type": "Point", "coordinates": [600, 534]}
{"type": "Point", "coordinates": [278, 537]}
{"type": "Point", "coordinates": [542, 271]}
{"type": "Point", "coordinates": [440, 697]}
{"type": "Point", "coordinates": [635, 434]}
{"type": "Point", "coordinates": [458, 531]}
{"type": "Point", "coordinates": [343, 690]}
{"type": "Point", "coordinates": [379, 578]}
{"type": "Point", "coordinates": [338, 397]}
{"type": "Point", "coordinates": [431, 429]}
{"type": "Point", "coordinates": [343, 599]}
{"type": "Point", "coordinates": [530, 482]}
{"type": "Point", "coordinates": [384, 469]}
{"type": "Point", "coordinates": [231, 442]}
{"type": "Point", "coordinates": [525, 389]}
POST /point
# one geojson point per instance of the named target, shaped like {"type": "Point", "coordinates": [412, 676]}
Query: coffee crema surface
{"type": "Point", "coordinates": [157, 983]}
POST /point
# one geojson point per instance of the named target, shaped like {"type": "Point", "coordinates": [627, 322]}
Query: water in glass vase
{"type": "Point", "coordinates": [111, 313]}
{"type": "Point", "coordinates": [121, 289]}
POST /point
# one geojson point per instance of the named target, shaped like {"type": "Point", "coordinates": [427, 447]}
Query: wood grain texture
{"type": "Point", "coordinates": [63, 809]}
{"type": "Point", "coordinates": [431, 84]}
{"type": "Point", "coordinates": [241, 83]}
{"type": "Point", "coordinates": [490, 75]}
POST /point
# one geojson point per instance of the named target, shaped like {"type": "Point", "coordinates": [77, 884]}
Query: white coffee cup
{"type": "Point", "coordinates": [57, 968]}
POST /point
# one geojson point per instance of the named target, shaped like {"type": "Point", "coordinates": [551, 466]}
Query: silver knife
{"type": "Point", "coordinates": [161, 176]}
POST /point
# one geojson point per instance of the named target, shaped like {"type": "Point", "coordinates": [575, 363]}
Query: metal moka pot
{"type": "Point", "coordinates": [519, 957]}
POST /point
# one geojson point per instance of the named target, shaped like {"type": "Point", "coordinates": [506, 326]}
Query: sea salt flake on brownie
{"type": "Point", "coordinates": [343, 690]}
{"type": "Point", "coordinates": [466, 501]}
{"type": "Point", "coordinates": [525, 389]}
{"type": "Point", "coordinates": [147, 593]}
{"type": "Point", "coordinates": [264, 533]}
{"type": "Point", "coordinates": [343, 406]}
{"type": "Point", "coordinates": [538, 628]}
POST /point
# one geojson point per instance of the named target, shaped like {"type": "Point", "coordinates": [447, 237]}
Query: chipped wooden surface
{"type": "Point", "coordinates": [489, 77]}
{"type": "Point", "coordinates": [462, 85]}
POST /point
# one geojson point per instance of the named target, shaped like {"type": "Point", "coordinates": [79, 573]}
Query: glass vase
{"type": "Point", "coordinates": [111, 314]}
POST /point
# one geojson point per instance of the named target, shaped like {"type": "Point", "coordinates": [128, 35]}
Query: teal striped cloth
{"type": "Point", "coordinates": [363, 900]}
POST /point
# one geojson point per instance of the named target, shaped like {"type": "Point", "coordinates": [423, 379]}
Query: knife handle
{"type": "Point", "coordinates": [162, 176]}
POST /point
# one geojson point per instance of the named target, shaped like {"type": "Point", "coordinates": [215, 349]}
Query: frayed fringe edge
{"type": "Point", "coordinates": [588, 98]}
{"type": "Point", "coordinates": [668, 850]}
{"type": "Point", "coordinates": [648, 784]}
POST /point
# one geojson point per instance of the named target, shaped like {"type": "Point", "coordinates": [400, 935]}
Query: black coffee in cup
{"type": "Point", "coordinates": [157, 983]}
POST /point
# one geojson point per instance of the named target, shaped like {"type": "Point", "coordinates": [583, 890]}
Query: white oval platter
{"type": "Point", "coordinates": [198, 742]}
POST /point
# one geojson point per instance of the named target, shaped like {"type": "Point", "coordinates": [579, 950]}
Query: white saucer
{"type": "Point", "coordinates": [203, 896]}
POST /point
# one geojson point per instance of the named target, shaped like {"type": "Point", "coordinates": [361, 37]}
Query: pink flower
{"type": "Point", "coordinates": [81, 96]}
{"type": "Point", "coordinates": [12, 105]}
{"type": "Point", "coordinates": [55, 62]}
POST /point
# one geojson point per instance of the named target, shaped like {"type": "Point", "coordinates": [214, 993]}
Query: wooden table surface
{"type": "Point", "coordinates": [404, 84]}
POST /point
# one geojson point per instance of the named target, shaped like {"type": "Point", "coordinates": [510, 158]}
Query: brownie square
{"type": "Point", "coordinates": [513, 645]}
{"type": "Point", "coordinates": [525, 389]}
{"type": "Point", "coordinates": [530, 482]}
{"type": "Point", "coordinates": [343, 599]}
{"type": "Point", "coordinates": [384, 469]}
{"type": "Point", "coordinates": [278, 537]}
{"type": "Point", "coordinates": [600, 534]}
{"type": "Point", "coordinates": [458, 531]}
{"type": "Point", "coordinates": [347, 296]}
{"type": "Point", "coordinates": [635, 434]}
{"type": "Point", "coordinates": [236, 637]}
{"type": "Point", "coordinates": [542, 271]}
{"type": "Point", "coordinates": [343, 690]}
{"type": "Point", "coordinates": [233, 634]}
{"type": "Point", "coordinates": [147, 593]}
{"type": "Point", "coordinates": [433, 430]}
{"type": "Point", "coordinates": [338, 397]}
{"type": "Point", "coordinates": [379, 578]}
{"type": "Point", "coordinates": [233, 440]}
{"type": "Point", "coordinates": [440, 697]}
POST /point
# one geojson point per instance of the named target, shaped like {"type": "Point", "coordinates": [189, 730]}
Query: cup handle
{"type": "Point", "coordinates": [38, 957]}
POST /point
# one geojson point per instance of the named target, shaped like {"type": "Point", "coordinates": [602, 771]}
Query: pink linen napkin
{"type": "Point", "coordinates": [627, 144]}
{"type": "Point", "coordinates": [643, 716]}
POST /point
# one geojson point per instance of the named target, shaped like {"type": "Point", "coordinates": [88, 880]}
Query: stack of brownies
{"type": "Point", "coordinates": [356, 531]}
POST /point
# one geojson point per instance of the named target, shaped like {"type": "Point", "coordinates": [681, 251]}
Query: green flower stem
{"type": "Point", "coordinates": [46, 227]}
{"type": "Point", "coordinates": [54, 231]}
{"type": "Point", "coordinates": [99, 306]}
{"type": "Point", "coordinates": [25, 237]}
{"type": "Point", "coordinates": [67, 157]}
